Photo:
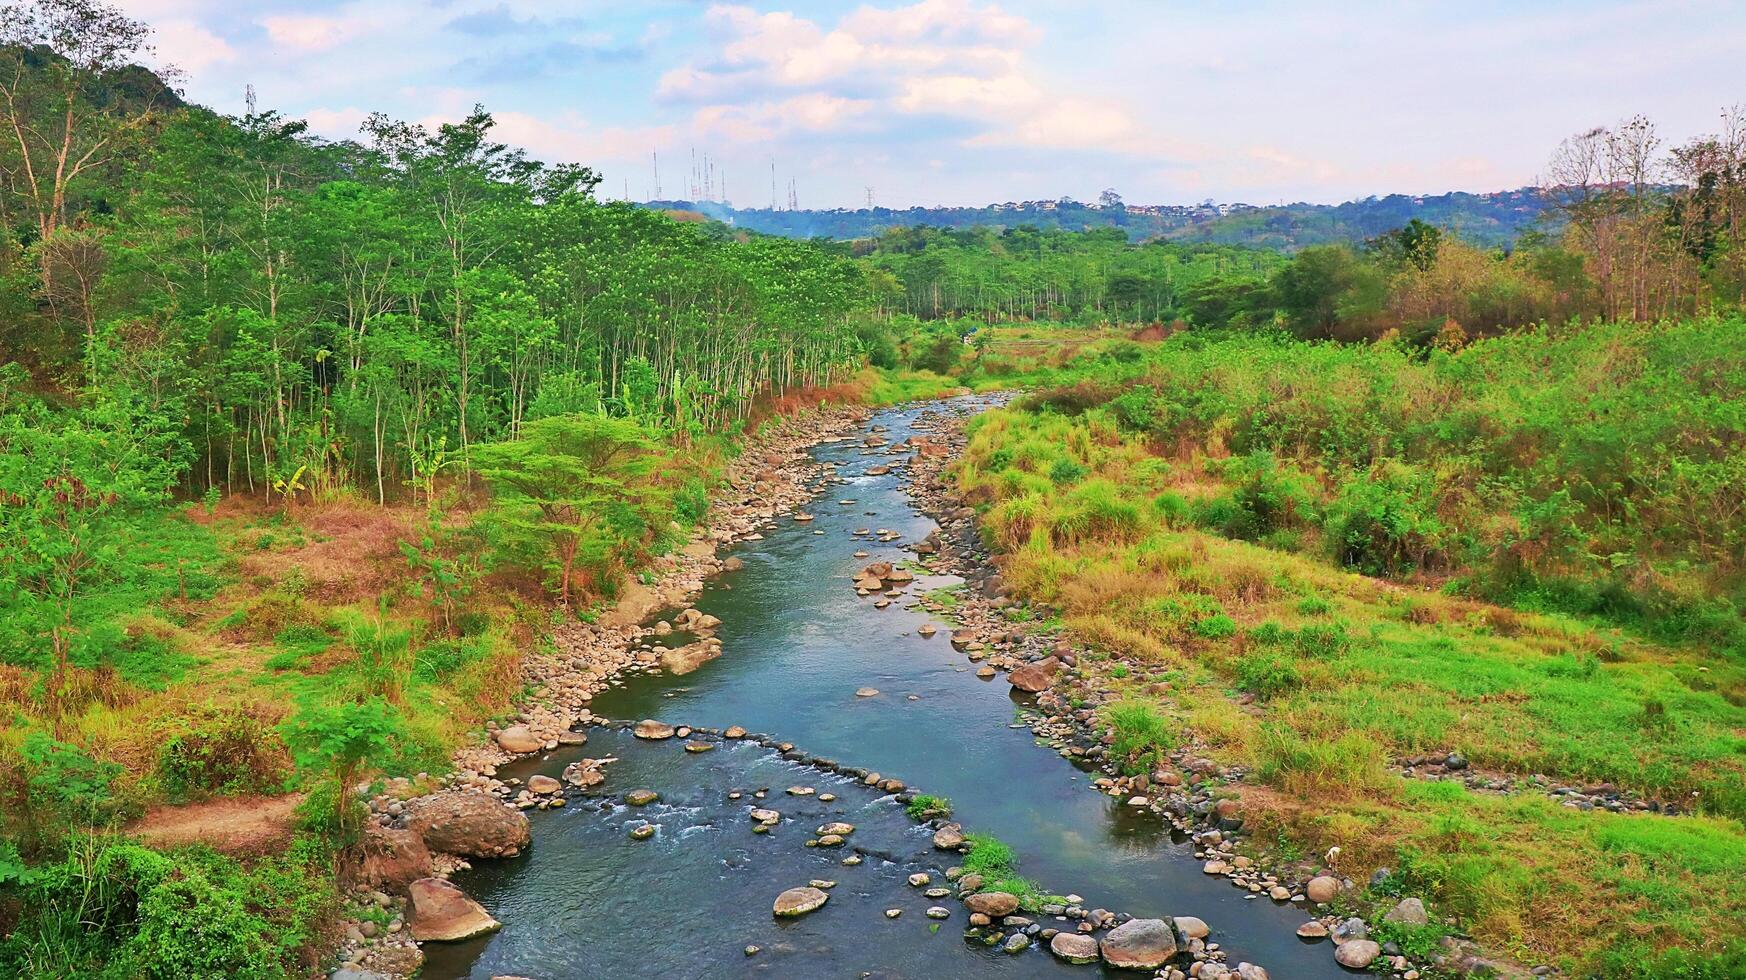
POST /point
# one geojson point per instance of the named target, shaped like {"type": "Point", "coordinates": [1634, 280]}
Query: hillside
{"type": "Point", "coordinates": [1490, 219]}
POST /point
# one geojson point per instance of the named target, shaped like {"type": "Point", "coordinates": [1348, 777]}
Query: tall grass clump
{"type": "Point", "coordinates": [1143, 735]}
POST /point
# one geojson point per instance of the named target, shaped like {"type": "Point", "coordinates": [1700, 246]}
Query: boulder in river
{"type": "Point", "coordinates": [1322, 888]}
{"type": "Point", "coordinates": [949, 838]}
{"type": "Point", "coordinates": [468, 824]}
{"type": "Point", "coordinates": [441, 912]}
{"type": "Point", "coordinates": [651, 729]}
{"type": "Point", "coordinates": [1074, 947]}
{"type": "Point", "coordinates": [796, 902]}
{"type": "Point", "coordinates": [1192, 927]}
{"type": "Point", "coordinates": [995, 905]}
{"type": "Point", "coordinates": [543, 785]}
{"type": "Point", "coordinates": [1140, 944]}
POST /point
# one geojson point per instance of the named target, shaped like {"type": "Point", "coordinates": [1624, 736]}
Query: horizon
{"type": "Point", "coordinates": [935, 103]}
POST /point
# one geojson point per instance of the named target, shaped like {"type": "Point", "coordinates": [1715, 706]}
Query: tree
{"type": "Point", "coordinates": [55, 55]}
{"type": "Point", "coordinates": [570, 486]}
{"type": "Point", "coordinates": [343, 740]}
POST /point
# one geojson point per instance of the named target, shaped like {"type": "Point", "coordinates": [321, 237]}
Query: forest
{"type": "Point", "coordinates": [305, 443]}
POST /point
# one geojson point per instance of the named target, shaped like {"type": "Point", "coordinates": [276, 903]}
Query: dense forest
{"type": "Point", "coordinates": [1489, 220]}
{"type": "Point", "coordinates": [305, 443]}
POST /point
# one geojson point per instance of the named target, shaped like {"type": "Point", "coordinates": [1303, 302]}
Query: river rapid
{"type": "Point", "coordinates": [588, 900]}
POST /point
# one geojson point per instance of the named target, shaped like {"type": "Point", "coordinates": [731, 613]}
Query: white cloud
{"type": "Point", "coordinates": [189, 46]}
{"type": "Point", "coordinates": [313, 32]}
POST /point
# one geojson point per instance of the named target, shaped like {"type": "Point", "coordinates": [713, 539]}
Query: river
{"type": "Point", "coordinates": [586, 900]}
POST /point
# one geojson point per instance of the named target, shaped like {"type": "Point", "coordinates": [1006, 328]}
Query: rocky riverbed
{"type": "Point", "coordinates": [764, 648]}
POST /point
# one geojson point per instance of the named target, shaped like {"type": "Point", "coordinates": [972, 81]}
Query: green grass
{"type": "Point", "coordinates": [1351, 673]}
{"type": "Point", "coordinates": [926, 806]}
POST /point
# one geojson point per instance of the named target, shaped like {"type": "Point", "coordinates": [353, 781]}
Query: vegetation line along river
{"type": "Point", "coordinates": [798, 644]}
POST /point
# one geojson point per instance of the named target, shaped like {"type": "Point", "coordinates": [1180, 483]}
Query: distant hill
{"type": "Point", "coordinates": [1496, 218]}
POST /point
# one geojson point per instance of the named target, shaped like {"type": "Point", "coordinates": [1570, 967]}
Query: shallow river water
{"type": "Point", "coordinates": [588, 901]}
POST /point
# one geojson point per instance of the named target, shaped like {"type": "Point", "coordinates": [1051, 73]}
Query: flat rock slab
{"type": "Point", "coordinates": [442, 913]}
{"type": "Point", "coordinates": [796, 902]}
{"type": "Point", "coordinates": [653, 730]}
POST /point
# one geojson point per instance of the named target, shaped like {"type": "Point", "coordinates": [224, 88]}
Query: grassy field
{"type": "Point", "coordinates": [1201, 539]}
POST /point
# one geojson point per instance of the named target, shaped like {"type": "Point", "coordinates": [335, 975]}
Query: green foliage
{"type": "Point", "coordinates": [1143, 735]}
{"type": "Point", "coordinates": [998, 864]}
{"type": "Point", "coordinates": [1266, 674]}
{"type": "Point", "coordinates": [1385, 521]}
{"type": "Point", "coordinates": [574, 492]}
{"type": "Point", "coordinates": [118, 910]}
{"type": "Point", "coordinates": [65, 786]}
{"type": "Point", "coordinates": [342, 741]}
{"type": "Point", "coordinates": [220, 753]}
{"type": "Point", "coordinates": [925, 806]}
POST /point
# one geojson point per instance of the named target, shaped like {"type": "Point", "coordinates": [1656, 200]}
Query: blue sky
{"type": "Point", "coordinates": [968, 102]}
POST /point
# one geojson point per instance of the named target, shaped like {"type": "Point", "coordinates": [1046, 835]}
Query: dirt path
{"type": "Point", "coordinates": [241, 827]}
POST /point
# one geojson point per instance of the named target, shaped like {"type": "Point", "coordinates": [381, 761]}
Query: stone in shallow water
{"type": "Point", "coordinates": [695, 747]}
{"type": "Point", "coordinates": [939, 912]}
{"type": "Point", "coordinates": [642, 831]}
{"type": "Point", "coordinates": [798, 901]}
{"type": "Point", "coordinates": [653, 730]}
{"type": "Point", "coordinates": [993, 904]}
{"type": "Point", "coordinates": [840, 829]}
{"type": "Point", "coordinates": [1074, 948]}
{"type": "Point", "coordinates": [1312, 930]}
{"type": "Point", "coordinates": [1140, 944]}
{"type": "Point", "coordinates": [1192, 927]}
{"type": "Point", "coordinates": [641, 797]}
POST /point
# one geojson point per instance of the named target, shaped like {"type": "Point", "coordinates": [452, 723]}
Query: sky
{"type": "Point", "coordinates": [964, 102]}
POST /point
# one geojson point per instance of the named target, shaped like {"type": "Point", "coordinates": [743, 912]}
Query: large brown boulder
{"type": "Point", "coordinates": [392, 859]}
{"type": "Point", "coordinates": [1140, 944]}
{"type": "Point", "coordinates": [1035, 678]}
{"type": "Point", "coordinates": [468, 824]}
{"type": "Point", "coordinates": [995, 905]}
{"type": "Point", "coordinates": [442, 913]}
{"type": "Point", "coordinates": [518, 740]}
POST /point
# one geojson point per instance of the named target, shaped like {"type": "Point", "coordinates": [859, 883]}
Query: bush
{"type": "Point", "coordinates": [65, 785]}
{"type": "Point", "coordinates": [217, 753]}
{"type": "Point", "coordinates": [1215, 627]}
{"type": "Point", "coordinates": [1385, 521]}
{"type": "Point", "coordinates": [118, 909]}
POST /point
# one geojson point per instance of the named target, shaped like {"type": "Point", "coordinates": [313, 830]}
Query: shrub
{"type": "Point", "coordinates": [118, 909]}
{"type": "Point", "coordinates": [220, 753]}
{"type": "Point", "coordinates": [64, 784]}
{"type": "Point", "coordinates": [1385, 521]}
{"type": "Point", "coordinates": [1066, 471]}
